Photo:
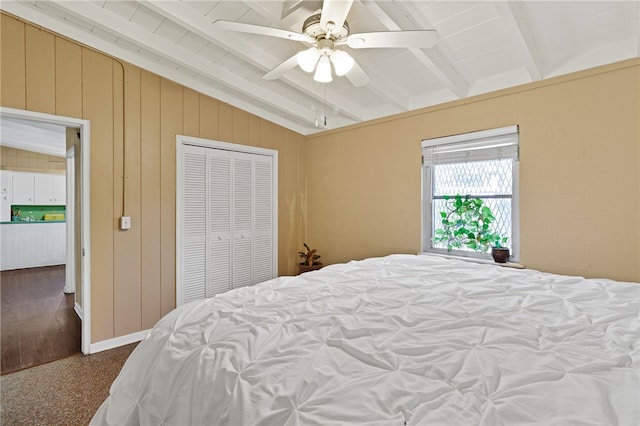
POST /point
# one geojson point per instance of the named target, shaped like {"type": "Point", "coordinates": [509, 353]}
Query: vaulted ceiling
{"type": "Point", "coordinates": [481, 46]}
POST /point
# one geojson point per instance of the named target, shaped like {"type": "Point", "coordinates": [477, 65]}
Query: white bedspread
{"type": "Point", "coordinates": [384, 341]}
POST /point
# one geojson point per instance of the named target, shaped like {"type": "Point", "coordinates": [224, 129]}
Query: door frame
{"type": "Point", "coordinates": [84, 312]}
{"type": "Point", "coordinates": [70, 212]}
{"type": "Point", "coordinates": [70, 217]}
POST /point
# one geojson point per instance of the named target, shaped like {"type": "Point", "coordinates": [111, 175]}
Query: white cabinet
{"type": "Point", "coordinates": [226, 214]}
{"type": "Point", "coordinates": [6, 195]}
{"type": "Point", "coordinates": [26, 188]}
{"type": "Point", "coordinates": [23, 188]}
{"type": "Point", "coordinates": [49, 189]}
{"type": "Point", "coordinates": [59, 189]}
{"type": "Point", "coordinates": [43, 189]}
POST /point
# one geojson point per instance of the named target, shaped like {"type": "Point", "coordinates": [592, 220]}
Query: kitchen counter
{"type": "Point", "coordinates": [32, 244]}
{"type": "Point", "coordinates": [24, 222]}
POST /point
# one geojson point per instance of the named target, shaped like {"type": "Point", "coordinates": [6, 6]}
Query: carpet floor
{"type": "Point", "coordinates": [63, 392]}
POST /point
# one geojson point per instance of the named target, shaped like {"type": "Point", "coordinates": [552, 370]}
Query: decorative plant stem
{"type": "Point", "coordinates": [466, 222]}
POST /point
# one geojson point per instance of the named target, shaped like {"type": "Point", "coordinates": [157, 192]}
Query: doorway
{"type": "Point", "coordinates": [77, 274]}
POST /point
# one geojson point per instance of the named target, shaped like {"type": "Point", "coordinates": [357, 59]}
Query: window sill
{"type": "Point", "coordinates": [476, 260]}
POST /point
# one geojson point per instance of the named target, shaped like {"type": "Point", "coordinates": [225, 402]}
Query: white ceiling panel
{"type": "Point", "coordinates": [481, 46]}
{"type": "Point", "coordinates": [78, 22]}
{"type": "Point", "coordinates": [228, 10]}
{"type": "Point", "coordinates": [192, 42]}
{"type": "Point", "coordinates": [201, 7]}
{"type": "Point", "coordinates": [212, 52]}
{"type": "Point", "coordinates": [491, 63]}
{"type": "Point", "coordinates": [171, 31]}
{"type": "Point", "coordinates": [126, 9]}
{"type": "Point", "coordinates": [439, 11]}
{"type": "Point", "coordinates": [480, 34]}
{"type": "Point", "coordinates": [466, 20]}
{"type": "Point", "coordinates": [147, 19]}
{"type": "Point", "coordinates": [105, 35]}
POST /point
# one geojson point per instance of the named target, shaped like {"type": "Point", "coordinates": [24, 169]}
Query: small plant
{"type": "Point", "coordinates": [467, 223]}
{"type": "Point", "coordinates": [309, 257]}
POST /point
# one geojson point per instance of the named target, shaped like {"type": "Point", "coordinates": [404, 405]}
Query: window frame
{"type": "Point", "coordinates": [427, 194]}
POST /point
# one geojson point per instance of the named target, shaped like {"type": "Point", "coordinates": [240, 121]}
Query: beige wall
{"type": "Point", "coordinates": [133, 272]}
{"type": "Point", "coordinates": [579, 179]}
{"type": "Point", "coordinates": [29, 161]}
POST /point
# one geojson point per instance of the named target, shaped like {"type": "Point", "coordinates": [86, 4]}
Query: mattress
{"type": "Point", "coordinates": [396, 340]}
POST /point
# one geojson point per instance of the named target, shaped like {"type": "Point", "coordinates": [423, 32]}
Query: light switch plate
{"type": "Point", "coordinates": [125, 223]}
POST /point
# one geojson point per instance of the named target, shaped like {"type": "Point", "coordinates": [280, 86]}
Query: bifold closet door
{"type": "Point", "coordinates": [242, 223]}
{"type": "Point", "coordinates": [219, 221]}
{"type": "Point", "coordinates": [252, 219]}
{"type": "Point", "coordinates": [226, 222]}
{"type": "Point", "coordinates": [193, 191]}
{"type": "Point", "coordinates": [263, 219]}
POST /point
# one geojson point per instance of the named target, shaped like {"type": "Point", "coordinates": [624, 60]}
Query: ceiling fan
{"type": "Point", "coordinates": [327, 31]}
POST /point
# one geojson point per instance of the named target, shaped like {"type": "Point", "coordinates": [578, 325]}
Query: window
{"type": "Point", "coordinates": [481, 165]}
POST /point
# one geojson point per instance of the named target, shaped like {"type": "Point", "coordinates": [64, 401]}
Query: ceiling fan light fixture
{"type": "Point", "coordinates": [307, 59]}
{"type": "Point", "coordinates": [323, 70]}
{"type": "Point", "coordinates": [342, 62]}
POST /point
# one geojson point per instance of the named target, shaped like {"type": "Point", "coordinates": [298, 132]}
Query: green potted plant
{"type": "Point", "coordinates": [467, 222]}
{"type": "Point", "coordinates": [499, 253]}
{"type": "Point", "coordinates": [309, 260]}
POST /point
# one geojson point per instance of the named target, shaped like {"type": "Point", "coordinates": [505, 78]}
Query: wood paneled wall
{"type": "Point", "coordinates": [135, 117]}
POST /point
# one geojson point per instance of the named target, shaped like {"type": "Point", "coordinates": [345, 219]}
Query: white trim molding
{"type": "Point", "coordinates": [78, 309]}
{"type": "Point", "coordinates": [116, 342]}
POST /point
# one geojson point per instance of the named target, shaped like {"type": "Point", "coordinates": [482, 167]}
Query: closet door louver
{"type": "Point", "coordinates": [194, 228]}
{"type": "Point", "coordinates": [242, 219]}
{"type": "Point", "coordinates": [263, 226]}
{"type": "Point", "coordinates": [219, 222]}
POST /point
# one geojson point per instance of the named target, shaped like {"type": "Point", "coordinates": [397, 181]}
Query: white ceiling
{"type": "Point", "coordinates": [33, 136]}
{"type": "Point", "coordinates": [482, 46]}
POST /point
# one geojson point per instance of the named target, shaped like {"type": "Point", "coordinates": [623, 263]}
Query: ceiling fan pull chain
{"type": "Point", "coordinates": [325, 105]}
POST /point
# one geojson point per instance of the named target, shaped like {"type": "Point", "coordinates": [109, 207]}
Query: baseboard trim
{"type": "Point", "coordinates": [79, 311]}
{"type": "Point", "coordinates": [118, 341]}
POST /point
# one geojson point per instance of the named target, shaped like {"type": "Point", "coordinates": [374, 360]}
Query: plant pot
{"type": "Point", "coordinates": [500, 254]}
{"type": "Point", "coordinates": [303, 267]}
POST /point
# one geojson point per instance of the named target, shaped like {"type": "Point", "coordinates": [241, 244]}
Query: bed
{"type": "Point", "coordinates": [395, 340]}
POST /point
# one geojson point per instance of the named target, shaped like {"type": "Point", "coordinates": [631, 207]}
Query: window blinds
{"type": "Point", "coordinates": [493, 144]}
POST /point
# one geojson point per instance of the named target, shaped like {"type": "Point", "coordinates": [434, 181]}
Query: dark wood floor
{"type": "Point", "coordinates": [38, 321]}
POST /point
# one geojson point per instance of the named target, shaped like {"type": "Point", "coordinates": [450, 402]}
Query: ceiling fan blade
{"type": "Point", "coordinates": [259, 29]}
{"type": "Point", "coordinates": [412, 38]}
{"type": "Point", "coordinates": [335, 11]}
{"type": "Point", "coordinates": [279, 71]}
{"type": "Point", "coordinates": [357, 76]}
